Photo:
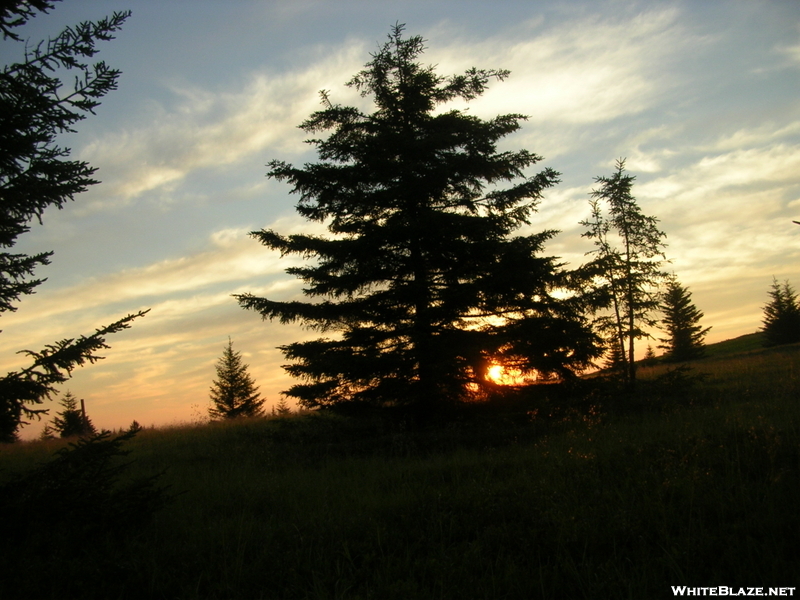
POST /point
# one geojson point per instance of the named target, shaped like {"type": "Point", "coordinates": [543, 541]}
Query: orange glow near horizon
{"type": "Point", "coordinates": [502, 375]}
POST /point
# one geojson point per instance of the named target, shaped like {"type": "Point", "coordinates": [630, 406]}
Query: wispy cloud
{"type": "Point", "coordinates": [727, 211]}
{"type": "Point", "coordinates": [582, 71]}
{"type": "Point", "coordinates": [175, 289]}
{"type": "Point", "coordinates": [207, 129]}
{"type": "Point", "coordinates": [766, 133]}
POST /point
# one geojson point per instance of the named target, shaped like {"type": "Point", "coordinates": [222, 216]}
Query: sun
{"type": "Point", "coordinates": [496, 373]}
{"type": "Point", "coordinates": [500, 374]}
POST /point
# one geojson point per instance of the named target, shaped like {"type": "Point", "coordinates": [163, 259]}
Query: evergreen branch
{"type": "Point", "coordinates": [51, 366]}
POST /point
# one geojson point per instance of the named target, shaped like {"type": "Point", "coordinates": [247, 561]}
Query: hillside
{"type": "Point", "coordinates": [743, 343]}
{"type": "Point", "coordinates": [600, 495]}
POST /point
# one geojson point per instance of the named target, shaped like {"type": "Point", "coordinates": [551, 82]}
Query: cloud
{"type": "Point", "coordinates": [754, 136]}
{"type": "Point", "coordinates": [587, 71]}
{"type": "Point", "coordinates": [580, 71]}
{"type": "Point", "coordinates": [207, 129]}
{"type": "Point", "coordinates": [726, 205]}
{"type": "Point", "coordinates": [709, 182]}
{"type": "Point", "coordinates": [156, 370]}
{"type": "Point", "coordinates": [175, 288]}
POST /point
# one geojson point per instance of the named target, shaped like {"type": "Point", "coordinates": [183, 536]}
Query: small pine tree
{"type": "Point", "coordinates": [681, 318]}
{"type": "Point", "coordinates": [47, 433]}
{"type": "Point", "coordinates": [649, 356]}
{"type": "Point", "coordinates": [281, 409]}
{"type": "Point", "coordinates": [616, 360]}
{"type": "Point", "coordinates": [72, 421]}
{"type": "Point", "coordinates": [781, 316]}
{"type": "Point", "coordinates": [234, 392]}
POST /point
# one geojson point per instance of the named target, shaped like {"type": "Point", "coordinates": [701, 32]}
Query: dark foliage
{"type": "Point", "coordinates": [421, 282]}
{"type": "Point", "coordinates": [35, 174]}
{"type": "Point", "coordinates": [71, 516]}
{"type": "Point", "coordinates": [14, 13]}
{"type": "Point", "coordinates": [781, 316]}
{"type": "Point", "coordinates": [626, 268]}
{"type": "Point", "coordinates": [681, 323]}
{"type": "Point", "coordinates": [234, 393]}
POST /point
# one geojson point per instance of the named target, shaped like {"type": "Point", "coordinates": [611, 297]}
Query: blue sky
{"type": "Point", "coordinates": [703, 98]}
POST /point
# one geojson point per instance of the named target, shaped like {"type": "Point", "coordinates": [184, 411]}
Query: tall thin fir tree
{"type": "Point", "coordinates": [234, 393]}
{"type": "Point", "coordinates": [626, 268]}
{"type": "Point", "coordinates": [781, 315]}
{"type": "Point", "coordinates": [421, 283]}
{"type": "Point", "coordinates": [681, 322]}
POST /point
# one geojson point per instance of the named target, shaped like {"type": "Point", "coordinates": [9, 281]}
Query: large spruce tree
{"type": "Point", "coordinates": [420, 284]}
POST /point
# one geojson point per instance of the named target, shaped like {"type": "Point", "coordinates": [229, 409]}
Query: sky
{"type": "Point", "coordinates": [702, 98]}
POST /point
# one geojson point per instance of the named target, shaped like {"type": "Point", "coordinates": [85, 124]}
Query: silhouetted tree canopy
{"type": "Point", "coordinates": [234, 393]}
{"type": "Point", "coordinates": [781, 316]}
{"type": "Point", "coordinates": [681, 323]}
{"type": "Point", "coordinates": [35, 174]}
{"type": "Point", "coordinates": [420, 283]}
{"type": "Point", "coordinates": [626, 268]}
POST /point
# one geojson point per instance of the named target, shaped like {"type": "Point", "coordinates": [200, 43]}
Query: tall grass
{"type": "Point", "coordinates": [605, 497]}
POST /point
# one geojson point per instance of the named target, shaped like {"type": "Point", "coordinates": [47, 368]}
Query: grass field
{"type": "Point", "coordinates": [586, 493]}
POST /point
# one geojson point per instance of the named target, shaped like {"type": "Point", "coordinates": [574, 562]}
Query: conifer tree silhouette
{"type": "Point", "coordinates": [781, 316]}
{"type": "Point", "coordinates": [234, 393]}
{"type": "Point", "coordinates": [626, 268]}
{"type": "Point", "coordinates": [72, 421]}
{"type": "Point", "coordinates": [681, 322]}
{"type": "Point", "coordinates": [422, 280]}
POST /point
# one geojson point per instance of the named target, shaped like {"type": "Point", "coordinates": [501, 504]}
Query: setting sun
{"type": "Point", "coordinates": [502, 375]}
{"type": "Point", "coordinates": [495, 373]}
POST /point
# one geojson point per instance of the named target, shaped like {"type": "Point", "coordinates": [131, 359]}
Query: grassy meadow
{"type": "Point", "coordinates": [583, 493]}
